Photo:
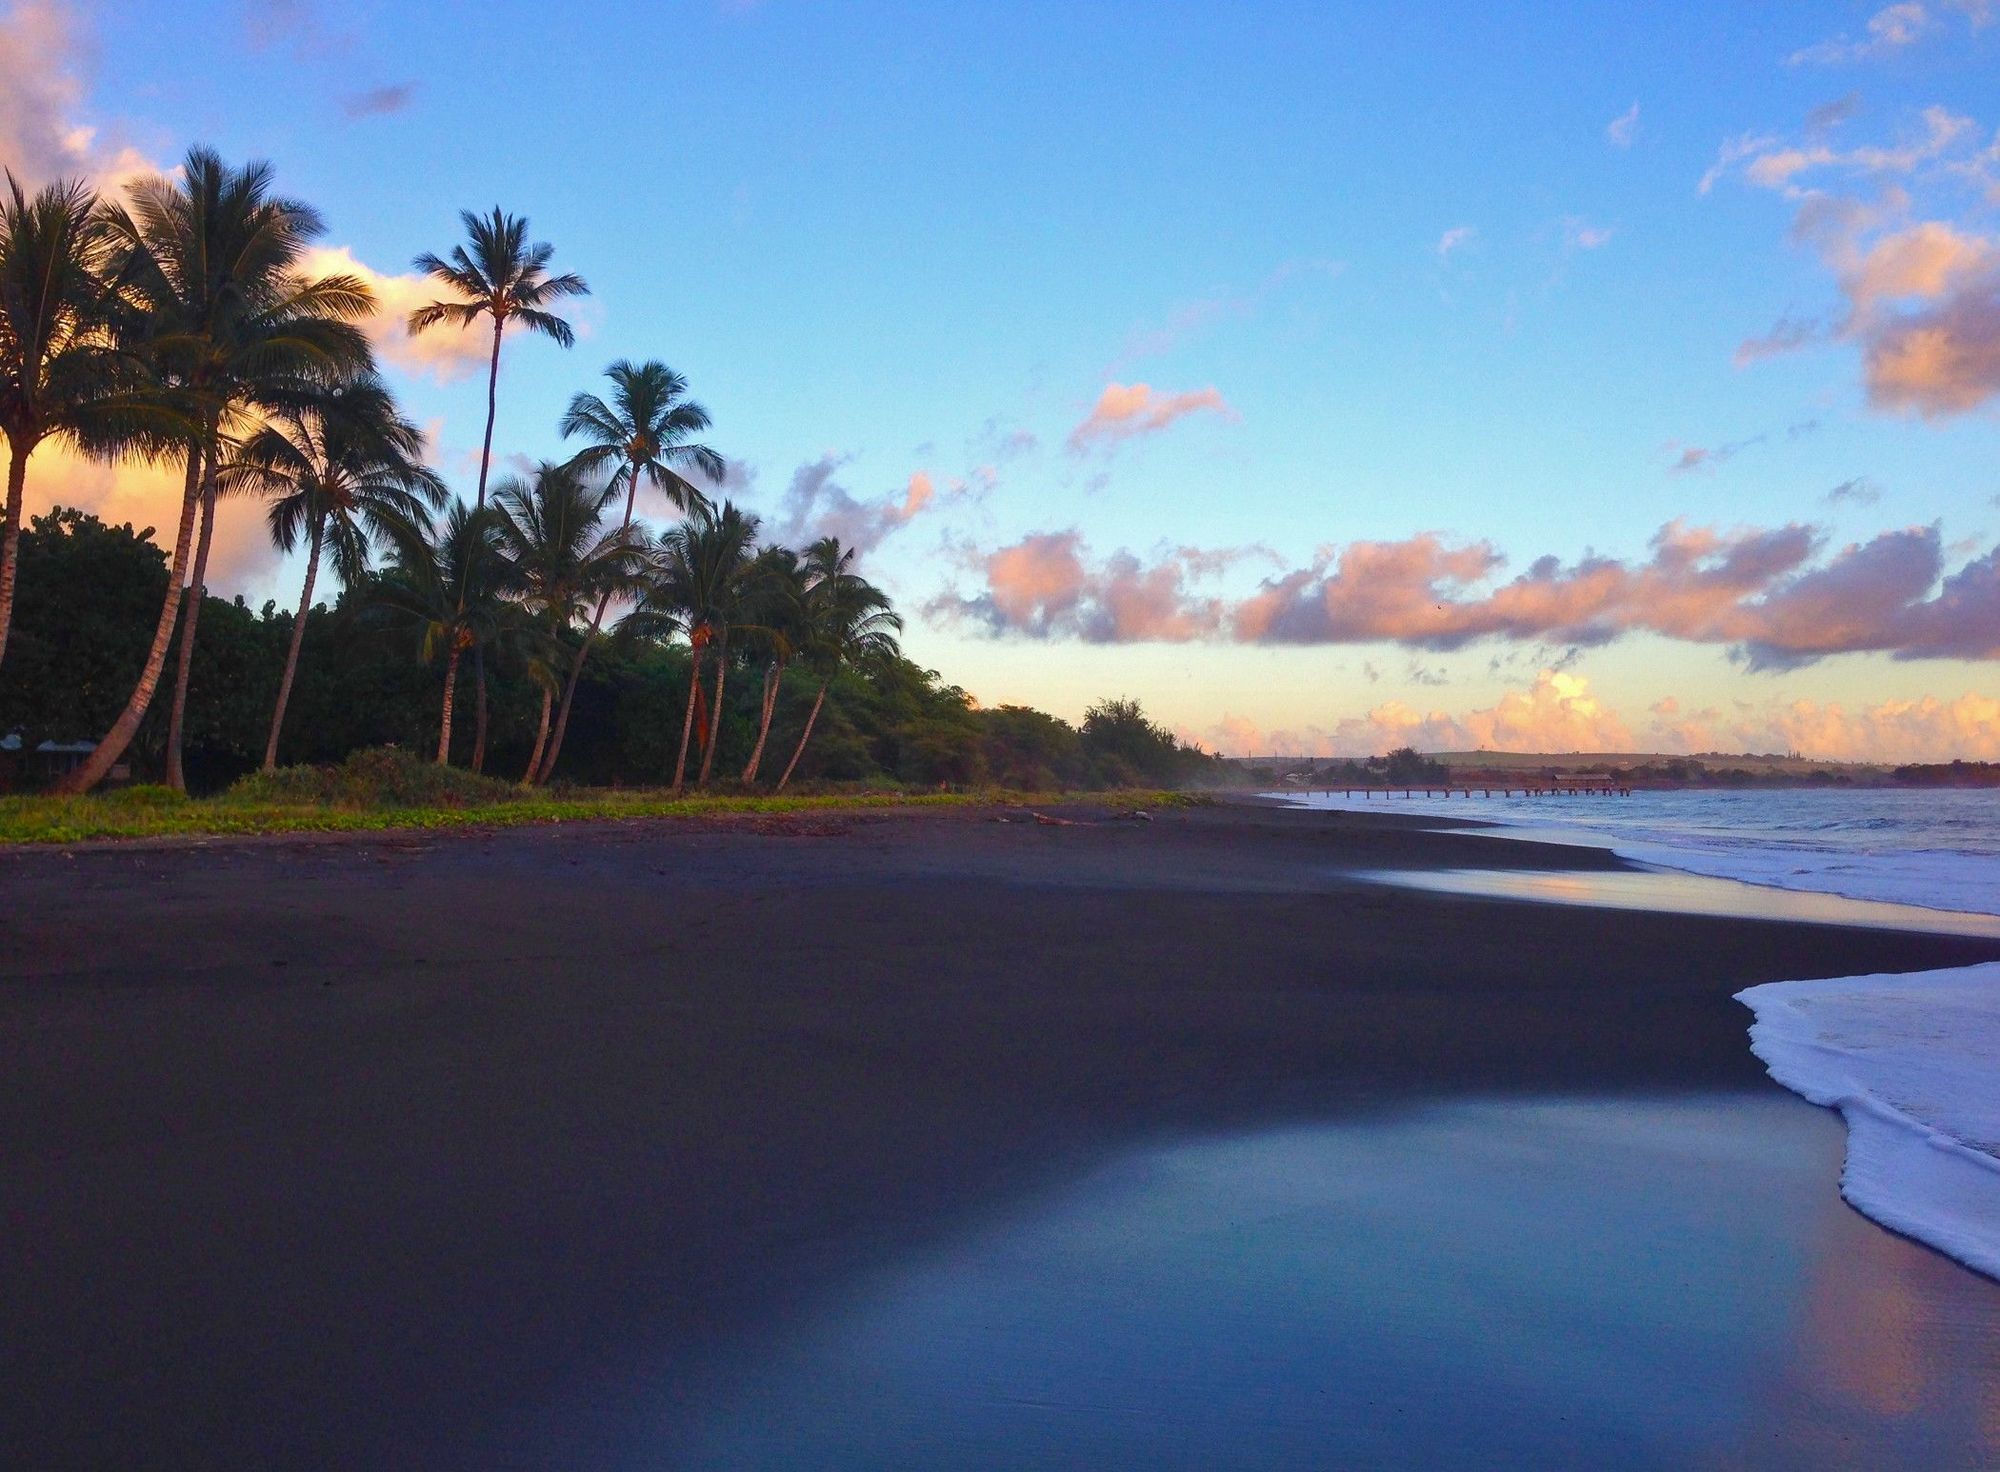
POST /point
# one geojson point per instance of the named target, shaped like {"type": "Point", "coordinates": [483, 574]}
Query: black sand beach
{"type": "Point", "coordinates": [453, 1151]}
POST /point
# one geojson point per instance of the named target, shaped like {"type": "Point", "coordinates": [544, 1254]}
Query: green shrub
{"type": "Point", "coordinates": [146, 795]}
{"type": "Point", "coordinates": [376, 777]}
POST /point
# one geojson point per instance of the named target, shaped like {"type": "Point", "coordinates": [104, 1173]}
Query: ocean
{"type": "Point", "coordinates": [1936, 848]}
{"type": "Point", "coordinates": [1911, 1061]}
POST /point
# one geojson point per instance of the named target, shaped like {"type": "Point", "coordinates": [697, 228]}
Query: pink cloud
{"type": "Point", "coordinates": [1923, 730]}
{"type": "Point", "coordinates": [41, 89]}
{"type": "Point", "coordinates": [1558, 713]}
{"type": "Point", "coordinates": [1941, 360]}
{"type": "Point", "coordinates": [1042, 586]}
{"type": "Point", "coordinates": [815, 505]}
{"type": "Point", "coordinates": [1124, 412]}
{"type": "Point", "coordinates": [149, 495]}
{"type": "Point", "coordinates": [1922, 295]}
{"type": "Point", "coordinates": [1768, 595]}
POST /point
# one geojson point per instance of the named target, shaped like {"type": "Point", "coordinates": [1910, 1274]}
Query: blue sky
{"type": "Point", "coordinates": [1383, 270]}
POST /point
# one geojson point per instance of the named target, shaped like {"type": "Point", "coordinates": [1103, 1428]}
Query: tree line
{"type": "Point", "coordinates": [175, 325]}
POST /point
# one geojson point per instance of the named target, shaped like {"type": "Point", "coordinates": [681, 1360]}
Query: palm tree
{"type": "Point", "coordinates": [778, 596]}
{"type": "Point", "coordinates": [344, 471]}
{"type": "Point", "coordinates": [208, 269]}
{"type": "Point", "coordinates": [697, 577]}
{"type": "Point", "coordinates": [642, 433]}
{"type": "Point", "coordinates": [848, 621]}
{"type": "Point", "coordinates": [445, 580]}
{"type": "Point", "coordinates": [61, 376]}
{"type": "Point", "coordinates": [505, 278]}
{"type": "Point", "coordinates": [561, 560]}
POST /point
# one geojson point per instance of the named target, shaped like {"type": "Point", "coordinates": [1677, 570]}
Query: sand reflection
{"type": "Point", "coordinates": [1667, 1283]}
{"type": "Point", "coordinates": [1897, 1360]}
{"type": "Point", "coordinates": [1684, 894]}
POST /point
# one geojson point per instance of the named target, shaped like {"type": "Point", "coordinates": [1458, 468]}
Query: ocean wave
{"type": "Point", "coordinates": [1910, 1062]}
{"type": "Point", "coordinates": [1936, 849]}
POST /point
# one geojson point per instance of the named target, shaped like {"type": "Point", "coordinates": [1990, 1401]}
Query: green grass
{"type": "Point", "coordinates": [374, 791]}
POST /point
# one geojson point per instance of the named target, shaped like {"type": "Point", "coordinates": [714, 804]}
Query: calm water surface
{"type": "Point", "coordinates": [1628, 1283]}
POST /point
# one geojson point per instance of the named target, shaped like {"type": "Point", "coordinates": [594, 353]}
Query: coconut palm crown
{"type": "Point", "coordinates": [642, 433]}
{"type": "Point", "coordinates": [61, 375]}
{"type": "Point", "coordinates": [211, 291]}
{"type": "Point", "coordinates": [499, 274]}
{"type": "Point", "coordinates": [562, 561]}
{"type": "Point", "coordinates": [343, 472]}
{"type": "Point", "coordinates": [847, 622]}
{"type": "Point", "coordinates": [502, 276]}
{"type": "Point", "coordinates": [698, 576]}
{"type": "Point", "coordinates": [447, 582]}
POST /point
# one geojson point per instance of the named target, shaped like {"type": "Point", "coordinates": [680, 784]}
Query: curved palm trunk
{"type": "Point", "coordinates": [687, 721]}
{"type": "Point", "coordinates": [126, 726]}
{"type": "Point", "coordinates": [715, 714]}
{"type": "Point", "coordinates": [548, 765]}
{"type": "Point", "coordinates": [184, 661]}
{"type": "Point", "coordinates": [804, 737]}
{"type": "Point", "coordinates": [10, 537]}
{"type": "Point", "coordinates": [450, 692]}
{"type": "Point", "coordinates": [528, 778]}
{"type": "Point", "coordinates": [298, 638]}
{"type": "Point", "coordinates": [479, 708]}
{"type": "Point", "coordinates": [773, 672]}
{"type": "Point", "coordinates": [542, 771]}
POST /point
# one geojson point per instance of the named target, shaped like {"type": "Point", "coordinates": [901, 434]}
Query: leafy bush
{"type": "Point", "coordinates": [377, 776]}
{"type": "Point", "coordinates": [1128, 749]}
{"type": "Point", "coordinates": [146, 795]}
{"type": "Point", "coordinates": [1409, 767]}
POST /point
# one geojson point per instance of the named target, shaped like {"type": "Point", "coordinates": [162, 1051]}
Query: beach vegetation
{"type": "Point", "coordinates": [341, 468]}
{"type": "Point", "coordinates": [498, 274]}
{"type": "Point", "coordinates": [642, 434]}
{"type": "Point", "coordinates": [62, 377]}
{"type": "Point", "coordinates": [1407, 767]}
{"type": "Point", "coordinates": [179, 321]}
{"type": "Point", "coordinates": [560, 561]}
{"type": "Point", "coordinates": [206, 290]}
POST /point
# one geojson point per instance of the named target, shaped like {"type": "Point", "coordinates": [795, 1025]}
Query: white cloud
{"type": "Point", "coordinates": [444, 352]}
{"type": "Point", "coordinates": [42, 133]}
{"type": "Point", "coordinates": [1620, 130]}
{"type": "Point", "coordinates": [1889, 29]}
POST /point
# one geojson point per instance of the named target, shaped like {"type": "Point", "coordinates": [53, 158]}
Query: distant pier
{"type": "Point", "coordinates": [1534, 789]}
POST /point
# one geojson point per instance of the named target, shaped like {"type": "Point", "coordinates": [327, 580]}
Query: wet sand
{"type": "Point", "coordinates": [1650, 1283]}
{"type": "Point", "coordinates": [462, 1150]}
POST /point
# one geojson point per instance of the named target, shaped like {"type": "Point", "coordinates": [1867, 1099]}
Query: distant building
{"type": "Point", "coordinates": [45, 763]}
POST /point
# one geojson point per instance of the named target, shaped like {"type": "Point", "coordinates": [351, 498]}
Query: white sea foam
{"type": "Point", "coordinates": [1936, 848]}
{"type": "Point", "coordinates": [1913, 1063]}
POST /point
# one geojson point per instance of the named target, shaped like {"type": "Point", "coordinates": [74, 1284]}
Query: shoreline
{"type": "Point", "coordinates": [525, 1118]}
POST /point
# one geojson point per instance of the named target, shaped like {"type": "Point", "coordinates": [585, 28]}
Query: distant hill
{"type": "Point", "coordinates": [1515, 761]}
{"type": "Point", "coordinates": [1580, 761]}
